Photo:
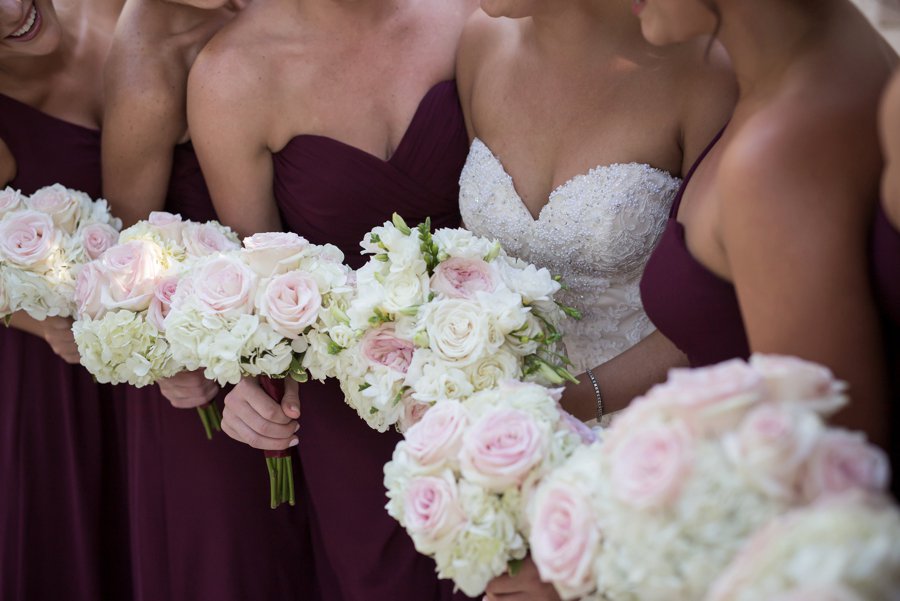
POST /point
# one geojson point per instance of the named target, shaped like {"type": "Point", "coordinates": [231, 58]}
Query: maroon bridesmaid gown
{"type": "Point", "coordinates": [886, 274]}
{"type": "Point", "coordinates": [693, 307]}
{"type": "Point", "coordinates": [330, 192]}
{"type": "Point", "coordinates": [62, 502]}
{"type": "Point", "coordinates": [201, 526]}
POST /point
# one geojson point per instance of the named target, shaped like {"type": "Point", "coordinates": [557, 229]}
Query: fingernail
{"type": "Point", "coordinates": [296, 427]}
{"type": "Point", "coordinates": [294, 442]}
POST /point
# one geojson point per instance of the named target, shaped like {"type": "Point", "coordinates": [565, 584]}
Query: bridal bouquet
{"type": "Point", "coordinates": [440, 316]}
{"type": "Point", "coordinates": [124, 296]}
{"type": "Point", "coordinates": [250, 312]}
{"type": "Point", "coordinates": [45, 239]}
{"type": "Point", "coordinates": [688, 472]}
{"type": "Point", "coordinates": [840, 549]}
{"type": "Point", "coordinates": [460, 479]}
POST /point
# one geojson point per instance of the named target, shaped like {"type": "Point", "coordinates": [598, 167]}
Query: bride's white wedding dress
{"type": "Point", "coordinates": [597, 231]}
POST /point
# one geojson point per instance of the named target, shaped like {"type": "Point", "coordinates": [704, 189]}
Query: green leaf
{"type": "Point", "coordinates": [515, 566]}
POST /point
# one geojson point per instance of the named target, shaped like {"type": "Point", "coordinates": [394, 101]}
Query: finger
{"type": "Point", "coordinates": [237, 429]}
{"type": "Point", "coordinates": [290, 402]}
{"type": "Point", "coordinates": [262, 403]}
{"type": "Point", "coordinates": [258, 423]}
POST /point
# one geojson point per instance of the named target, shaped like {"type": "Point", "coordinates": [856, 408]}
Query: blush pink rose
{"type": "Point", "coordinates": [170, 225]}
{"type": "Point", "coordinates": [650, 464]}
{"type": "Point", "coordinates": [10, 200]}
{"type": "Point", "coordinates": [793, 380]}
{"type": "Point", "coordinates": [225, 285]}
{"type": "Point", "coordinates": [437, 438]}
{"type": "Point", "coordinates": [564, 540]}
{"type": "Point", "coordinates": [97, 238]}
{"type": "Point", "coordinates": [202, 239]}
{"type": "Point", "coordinates": [161, 303]}
{"type": "Point", "coordinates": [462, 278]}
{"type": "Point", "coordinates": [772, 445]}
{"type": "Point", "coordinates": [381, 346]}
{"type": "Point", "coordinates": [61, 204]}
{"type": "Point", "coordinates": [576, 426]}
{"type": "Point", "coordinates": [132, 271]}
{"type": "Point", "coordinates": [290, 303]}
{"type": "Point", "coordinates": [500, 449]}
{"type": "Point", "coordinates": [843, 461]}
{"type": "Point", "coordinates": [270, 253]}
{"type": "Point", "coordinates": [431, 511]}
{"type": "Point", "coordinates": [27, 238]}
{"type": "Point", "coordinates": [413, 412]}
{"type": "Point", "coordinates": [89, 291]}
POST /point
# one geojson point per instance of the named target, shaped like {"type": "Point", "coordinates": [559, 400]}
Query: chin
{"type": "Point", "coordinates": [513, 9]}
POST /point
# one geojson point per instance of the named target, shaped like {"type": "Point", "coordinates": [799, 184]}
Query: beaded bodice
{"type": "Point", "coordinates": [597, 231]}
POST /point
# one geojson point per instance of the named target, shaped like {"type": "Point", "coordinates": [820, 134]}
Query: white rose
{"type": "Point", "coordinates": [60, 203]}
{"type": "Point", "coordinates": [463, 244]}
{"type": "Point", "coordinates": [10, 200]}
{"type": "Point", "coordinates": [404, 289]}
{"type": "Point", "coordinates": [459, 332]}
{"type": "Point", "coordinates": [531, 283]}
{"type": "Point", "coordinates": [493, 369]}
{"type": "Point", "coordinates": [270, 253]}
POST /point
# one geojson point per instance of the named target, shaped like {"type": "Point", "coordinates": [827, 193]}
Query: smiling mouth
{"type": "Point", "coordinates": [28, 27]}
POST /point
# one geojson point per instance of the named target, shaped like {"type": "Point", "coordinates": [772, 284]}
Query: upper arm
{"type": "Point", "coordinates": [795, 209]}
{"type": "Point", "coordinates": [142, 122]}
{"type": "Point", "coordinates": [7, 164]}
{"type": "Point", "coordinates": [228, 119]}
{"type": "Point", "coordinates": [709, 102]}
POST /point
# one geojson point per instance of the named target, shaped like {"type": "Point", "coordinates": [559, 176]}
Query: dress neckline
{"type": "Point", "coordinates": [83, 128]}
{"type": "Point", "coordinates": [593, 171]}
{"type": "Point", "coordinates": [417, 114]}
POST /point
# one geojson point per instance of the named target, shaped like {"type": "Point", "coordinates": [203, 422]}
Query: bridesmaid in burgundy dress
{"type": "Point", "coordinates": [765, 250]}
{"type": "Point", "coordinates": [200, 527]}
{"type": "Point", "coordinates": [886, 256]}
{"type": "Point", "coordinates": [62, 521]}
{"type": "Point", "coordinates": [325, 117]}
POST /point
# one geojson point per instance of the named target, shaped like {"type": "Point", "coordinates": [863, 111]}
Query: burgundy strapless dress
{"type": "Point", "coordinates": [693, 307]}
{"type": "Point", "coordinates": [201, 527]}
{"type": "Point", "coordinates": [886, 274]}
{"type": "Point", "coordinates": [330, 192]}
{"type": "Point", "coordinates": [62, 500]}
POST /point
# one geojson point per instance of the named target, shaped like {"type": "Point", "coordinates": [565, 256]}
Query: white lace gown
{"type": "Point", "coordinates": [596, 231]}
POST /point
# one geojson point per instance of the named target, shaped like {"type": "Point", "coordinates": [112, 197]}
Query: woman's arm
{"type": "Point", "coordinates": [7, 164]}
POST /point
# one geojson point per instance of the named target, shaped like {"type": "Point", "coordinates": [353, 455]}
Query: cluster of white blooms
{"type": "Point", "coordinates": [688, 473]}
{"type": "Point", "coordinates": [461, 478]}
{"type": "Point", "coordinates": [252, 311]}
{"type": "Point", "coordinates": [440, 316]}
{"type": "Point", "coordinates": [123, 297]}
{"type": "Point", "coordinates": [45, 239]}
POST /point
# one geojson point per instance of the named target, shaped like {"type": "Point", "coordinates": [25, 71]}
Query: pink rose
{"type": "Point", "coordinates": [710, 399]}
{"type": "Point", "coordinates": [437, 438]}
{"type": "Point", "coordinates": [793, 380]}
{"type": "Point", "coordinates": [225, 285]}
{"type": "Point", "coordinates": [88, 291]}
{"type": "Point", "coordinates": [202, 239]}
{"type": "Point", "coordinates": [501, 448]}
{"type": "Point", "coordinates": [564, 540]}
{"type": "Point", "coordinates": [97, 238]}
{"type": "Point", "coordinates": [290, 303]}
{"type": "Point", "coordinates": [413, 412]}
{"type": "Point", "coordinates": [132, 271]}
{"type": "Point", "coordinates": [462, 278]}
{"type": "Point", "coordinates": [10, 200]}
{"type": "Point", "coordinates": [649, 465]}
{"type": "Point", "coordinates": [771, 446]}
{"type": "Point", "coordinates": [170, 226]}
{"type": "Point", "coordinates": [161, 302]}
{"type": "Point", "coordinates": [381, 346]}
{"type": "Point", "coordinates": [27, 238]}
{"type": "Point", "coordinates": [844, 461]}
{"type": "Point", "coordinates": [269, 253]}
{"type": "Point", "coordinates": [61, 204]}
{"type": "Point", "coordinates": [431, 511]}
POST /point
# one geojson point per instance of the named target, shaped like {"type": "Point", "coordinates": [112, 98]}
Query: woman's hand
{"type": "Point", "coordinates": [57, 331]}
{"type": "Point", "coordinates": [526, 585]}
{"type": "Point", "coordinates": [252, 417]}
{"type": "Point", "coordinates": [188, 389]}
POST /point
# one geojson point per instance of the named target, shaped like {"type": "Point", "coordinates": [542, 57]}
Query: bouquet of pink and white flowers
{"type": "Point", "coordinates": [460, 479]}
{"type": "Point", "coordinates": [124, 295]}
{"type": "Point", "coordinates": [440, 316]}
{"type": "Point", "coordinates": [845, 548]}
{"type": "Point", "coordinates": [45, 239]}
{"type": "Point", "coordinates": [250, 312]}
{"type": "Point", "coordinates": [659, 508]}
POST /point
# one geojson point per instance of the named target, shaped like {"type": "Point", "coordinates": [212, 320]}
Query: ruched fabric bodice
{"type": "Point", "coordinates": [330, 192]}
{"type": "Point", "coordinates": [597, 231]}
{"type": "Point", "coordinates": [693, 307]}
